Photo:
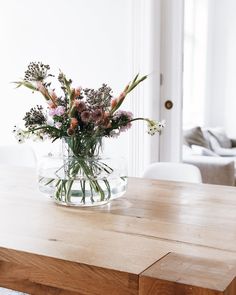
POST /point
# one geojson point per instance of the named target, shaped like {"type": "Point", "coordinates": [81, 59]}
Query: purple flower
{"type": "Point", "coordinates": [125, 127]}
{"type": "Point", "coordinates": [58, 111]}
{"type": "Point", "coordinates": [125, 117]}
{"type": "Point", "coordinates": [120, 114]}
{"type": "Point", "coordinates": [52, 112]}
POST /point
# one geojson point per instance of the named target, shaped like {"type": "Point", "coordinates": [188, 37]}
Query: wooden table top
{"type": "Point", "coordinates": [158, 236]}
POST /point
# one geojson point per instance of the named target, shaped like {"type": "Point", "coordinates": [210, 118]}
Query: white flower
{"type": "Point", "coordinates": [154, 126]}
{"type": "Point", "coordinates": [161, 124]}
{"type": "Point", "coordinates": [115, 133]}
{"type": "Point", "coordinates": [50, 122]}
{"type": "Point", "coordinates": [20, 134]}
{"type": "Point", "coordinates": [152, 129]}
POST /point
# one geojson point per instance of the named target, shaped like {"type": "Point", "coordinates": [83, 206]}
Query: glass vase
{"type": "Point", "coordinates": [81, 176]}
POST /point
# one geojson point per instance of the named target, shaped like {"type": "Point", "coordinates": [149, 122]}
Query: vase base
{"type": "Point", "coordinates": [86, 197]}
{"type": "Point", "coordinates": [87, 203]}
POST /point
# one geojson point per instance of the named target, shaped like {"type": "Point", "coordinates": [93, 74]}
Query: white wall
{"type": "Point", "coordinates": [88, 40]}
{"type": "Point", "coordinates": [92, 42]}
{"type": "Point", "coordinates": [221, 67]}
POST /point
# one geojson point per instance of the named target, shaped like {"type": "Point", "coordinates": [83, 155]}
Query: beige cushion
{"type": "Point", "coordinates": [194, 136]}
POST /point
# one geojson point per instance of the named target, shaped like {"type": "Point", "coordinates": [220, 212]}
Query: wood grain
{"type": "Point", "coordinates": [185, 275]}
{"type": "Point", "coordinates": [118, 241]}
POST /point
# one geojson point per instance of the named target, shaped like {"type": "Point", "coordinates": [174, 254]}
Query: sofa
{"type": "Point", "coordinates": [213, 152]}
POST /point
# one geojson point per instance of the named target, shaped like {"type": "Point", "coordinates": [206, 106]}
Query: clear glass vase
{"type": "Point", "coordinates": [85, 178]}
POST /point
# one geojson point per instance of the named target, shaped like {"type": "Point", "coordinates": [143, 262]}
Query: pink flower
{"type": "Point", "coordinates": [58, 111]}
{"type": "Point", "coordinates": [97, 115]}
{"type": "Point", "coordinates": [58, 125]}
{"type": "Point", "coordinates": [85, 116]}
{"type": "Point", "coordinates": [52, 112]}
{"type": "Point", "coordinates": [80, 105]}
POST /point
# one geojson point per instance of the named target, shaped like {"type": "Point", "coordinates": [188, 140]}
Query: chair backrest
{"type": "Point", "coordinates": [17, 155]}
{"type": "Point", "coordinates": [173, 171]}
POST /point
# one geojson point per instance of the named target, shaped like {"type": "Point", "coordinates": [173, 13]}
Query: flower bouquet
{"type": "Point", "coordinates": [81, 118]}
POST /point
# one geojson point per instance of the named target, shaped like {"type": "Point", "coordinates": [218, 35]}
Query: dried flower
{"type": "Point", "coordinates": [35, 117]}
{"type": "Point", "coordinates": [97, 115]}
{"type": "Point", "coordinates": [85, 116]}
{"type": "Point", "coordinates": [80, 105]}
{"type": "Point", "coordinates": [37, 72]}
{"type": "Point", "coordinates": [100, 98]}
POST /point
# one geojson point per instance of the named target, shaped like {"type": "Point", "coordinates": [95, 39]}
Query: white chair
{"type": "Point", "coordinates": [17, 155]}
{"type": "Point", "coordinates": [173, 171]}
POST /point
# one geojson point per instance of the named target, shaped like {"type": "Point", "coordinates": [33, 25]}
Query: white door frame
{"type": "Point", "coordinates": [156, 47]}
{"type": "Point", "coordinates": [145, 55]}
{"type": "Point", "coordinates": [172, 30]}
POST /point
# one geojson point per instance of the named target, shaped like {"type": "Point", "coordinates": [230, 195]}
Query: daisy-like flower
{"type": "Point", "coordinates": [20, 134]}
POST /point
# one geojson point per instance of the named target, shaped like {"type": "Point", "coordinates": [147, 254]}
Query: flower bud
{"type": "Point", "coordinates": [70, 131]}
{"type": "Point", "coordinates": [113, 103]}
{"type": "Point", "coordinates": [73, 123]}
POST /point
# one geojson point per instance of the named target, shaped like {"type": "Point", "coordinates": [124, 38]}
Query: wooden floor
{"type": "Point", "coordinates": [161, 238]}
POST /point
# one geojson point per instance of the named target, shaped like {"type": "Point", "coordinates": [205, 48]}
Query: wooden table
{"type": "Point", "coordinates": [160, 238]}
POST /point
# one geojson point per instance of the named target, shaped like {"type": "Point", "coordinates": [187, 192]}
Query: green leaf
{"type": "Point", "coordinates": [26, 84]}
